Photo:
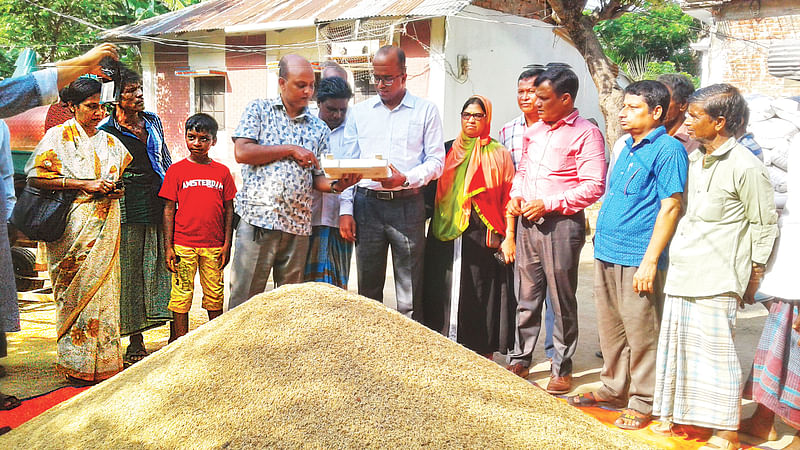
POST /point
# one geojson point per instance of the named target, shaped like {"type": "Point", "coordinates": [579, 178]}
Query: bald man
{"type": "Point", "coordinates": [407, 131]}
{"type": "Point", "coordinates": [277, 143]}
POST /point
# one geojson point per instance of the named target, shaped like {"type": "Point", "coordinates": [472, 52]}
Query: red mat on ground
{"type": "Point", "coordinates": [32, 407]}
{"type": "Point", "coordinates": [688, 437]}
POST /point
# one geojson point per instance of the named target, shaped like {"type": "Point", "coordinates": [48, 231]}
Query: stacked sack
{"type": "Point", "coordinates": [775, 124]}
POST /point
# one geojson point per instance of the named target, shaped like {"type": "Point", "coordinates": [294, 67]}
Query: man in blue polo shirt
{"type": "Point", "coordinates": [637, 221]}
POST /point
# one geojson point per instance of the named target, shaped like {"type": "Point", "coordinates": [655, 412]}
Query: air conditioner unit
{"type": "Point", "coordinates": [354, 48]}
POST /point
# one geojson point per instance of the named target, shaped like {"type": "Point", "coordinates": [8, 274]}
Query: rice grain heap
{"type": "Point", "coordinates": [314, 366]}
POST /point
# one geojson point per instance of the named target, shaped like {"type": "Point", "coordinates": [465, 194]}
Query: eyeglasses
{"type": "Point", "coordinates": [476, 116]}
{"type": "Point", "coordinates": [387, 80]}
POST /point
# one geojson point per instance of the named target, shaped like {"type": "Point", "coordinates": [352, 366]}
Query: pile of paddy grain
{"type": "Point", "coordinates": [314, 366]}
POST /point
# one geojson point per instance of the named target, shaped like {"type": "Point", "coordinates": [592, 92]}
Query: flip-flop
{"type": "Point", "coordinates": [639, 420]}
{"type": "Point", "coordinates": [665, 429]}
{"type": "Point", "coordinates": [589, 399]}
{"type": "Point", "coordinates": [9, 402]}
{"type": "Point", "coordinates": [718, 443]}
{"type": "Point", "coordinates": [131, 358]}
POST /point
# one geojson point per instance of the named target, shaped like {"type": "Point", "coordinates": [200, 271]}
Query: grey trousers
{"type": "Point", "coordinates": [256, 253]}
{"type": "Point", "coordinates": [628, 324]}
{"type": "Point", "coordinates": [547, 257]}
{"type": "Point", "coordinates": [401, 224]}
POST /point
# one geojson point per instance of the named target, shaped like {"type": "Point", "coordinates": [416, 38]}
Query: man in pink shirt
{"type": "Point", "coordinates": [562, 171]}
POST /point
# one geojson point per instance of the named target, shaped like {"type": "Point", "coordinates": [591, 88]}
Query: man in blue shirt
{"type": "Point", "coordinates": [636, 222]}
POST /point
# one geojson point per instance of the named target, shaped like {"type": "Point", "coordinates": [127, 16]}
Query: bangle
{"type": "Point", "coordinates": [333, 187]}
{"type": "Point", "coordinates": [64, 182]}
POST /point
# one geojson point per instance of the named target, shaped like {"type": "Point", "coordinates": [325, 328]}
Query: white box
{"type": "Point", "coordinates": [367, 168]}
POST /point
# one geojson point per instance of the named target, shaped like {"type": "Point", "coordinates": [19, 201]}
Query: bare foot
{"type": "Point", "coordinates": [760, 429]}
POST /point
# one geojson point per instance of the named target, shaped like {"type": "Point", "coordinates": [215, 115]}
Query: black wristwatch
{"type": "Point", "coordinates": [333, 187]}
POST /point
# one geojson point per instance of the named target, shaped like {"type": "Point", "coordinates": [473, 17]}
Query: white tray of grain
{"type": "Point", "coordinates": [367, 167]}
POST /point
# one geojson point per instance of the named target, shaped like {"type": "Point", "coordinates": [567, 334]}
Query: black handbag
{"type": "Point", "coordinates": [41, 214]}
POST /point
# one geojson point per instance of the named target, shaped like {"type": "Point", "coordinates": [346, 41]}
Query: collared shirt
{"type": "Point", "coordinates": [157, 151]}
{"type": "Point", "coordinates": [325, 209]}
{"type": "Point", "coordinates": [730, 222]}
{"type": "Point", "coordinates": [749, 142]}
{"type": "Point", "coordinates": [563, 164]}
{"type": "Point", "coordinates": [28, 91]}
{"type": "Point", "coordinates": [408, 136]}
{"type": "Point", "coordinates": [511, 136]}
{"type": "Point", "coordinates": [277, 196]}
{"type": "Point", "coordinates": [644, 174]}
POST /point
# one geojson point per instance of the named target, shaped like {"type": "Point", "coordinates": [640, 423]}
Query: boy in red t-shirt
{"type": "Point", "coordinates": [198, 235]}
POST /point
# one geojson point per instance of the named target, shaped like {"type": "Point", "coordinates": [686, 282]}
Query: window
{"type": "Point", "coordinates": [209, 97]}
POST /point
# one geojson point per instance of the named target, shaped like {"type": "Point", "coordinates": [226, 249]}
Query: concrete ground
{"type": "Point", "coordinates": [32, 352]}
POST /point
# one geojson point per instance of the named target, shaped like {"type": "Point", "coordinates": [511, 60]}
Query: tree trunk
{"type": "Point", "coordinates": [603, 71]}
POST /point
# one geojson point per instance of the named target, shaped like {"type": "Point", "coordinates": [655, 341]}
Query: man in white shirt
{"type": "Point", "coordinates": [407, 131]}
{"type": "Point", "coordinates": [328, 253]}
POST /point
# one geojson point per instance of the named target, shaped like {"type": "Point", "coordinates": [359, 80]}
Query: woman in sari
{"type": "Point", "coordinates": [468, 293]}
{"type": "Point", "coordinates": [84, 262]}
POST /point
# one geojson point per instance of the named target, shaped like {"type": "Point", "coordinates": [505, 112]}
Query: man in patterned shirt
{"type": "Point", "coordinates": [278, 143]}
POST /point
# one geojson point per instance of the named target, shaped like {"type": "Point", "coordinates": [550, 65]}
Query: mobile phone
{"type": "Point", "coordinates": [500, 257]}
{"type": "Point", "coordinates": [119, 184]}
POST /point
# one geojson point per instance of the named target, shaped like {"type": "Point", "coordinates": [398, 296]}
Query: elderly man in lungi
{"type": "Point", "coordinates": [716, 262]}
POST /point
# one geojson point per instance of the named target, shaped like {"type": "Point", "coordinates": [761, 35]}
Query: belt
{"type": "Point", "coordinates": [388, 195]}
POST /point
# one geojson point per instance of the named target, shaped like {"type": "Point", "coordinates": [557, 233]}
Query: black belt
{"type": "Point", "coordinates": [388, 195]}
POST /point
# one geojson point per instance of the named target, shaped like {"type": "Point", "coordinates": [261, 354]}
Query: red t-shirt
{"type": "Point", "coordinates": [199, 190]}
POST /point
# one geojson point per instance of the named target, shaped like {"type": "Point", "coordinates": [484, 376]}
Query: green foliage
{"type": "Point", "coordinates": [55, 37]}
{"type": "Point", "coordinates": [641, 68]}
{"type": "Point", "coordinates": [658, 32]}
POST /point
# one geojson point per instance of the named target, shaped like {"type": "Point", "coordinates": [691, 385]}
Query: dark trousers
{"type": "Point", "coordinates": [547, 259]}
{"type": "Point", "coordinates": [401, 224]}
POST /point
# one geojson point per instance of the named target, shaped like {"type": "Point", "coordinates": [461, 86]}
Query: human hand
{"type": "Point", "coordinates": [348, 180]}
{"type": "Point", "coordinates": [98, 186]}
{"type": "Point", "coordinates": [756, 274]}
{"type": "Point", "coordinates": [509, 248]}
{"type": "Point", "coordinates": [304, 157]}
{"type": "Point", "coordinates": [533, 210]}
{"type": "Point", "coordinates": [644, 276]}
{"type": "Point", "coordinates": [225, 256]}
{"type": "Point", "coordinates": [796, 326]}
{"type": "Point", "coordinates": [117, 193]}
{"type": "Point", "coordinates": [515, 206]}
{"type": "Point", "coordinates": [347, 227]}
{"type": "Point", "coordinates": [396, 179]}
{"type": "Point", "coordinates": [171, 259]}
{"type": "Point", "coordinates": [91, 59]}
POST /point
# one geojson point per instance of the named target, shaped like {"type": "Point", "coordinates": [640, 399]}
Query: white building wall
{"type": "Point", "coordinates": [498, 46]}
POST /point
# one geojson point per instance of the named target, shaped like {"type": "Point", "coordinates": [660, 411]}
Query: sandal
{"type": "Point", "coordinates": [9, 402]}
{"type": "Point", "coordinates": [665, 429]}
{"type": "Point", "coordinates": [132, 357]}
{"type": "Point", "coordinates": [637, 419]}
{"type": "Point", "coordinates": [589, 399]}
{"type": "Point", "coordinates": [719, 443]}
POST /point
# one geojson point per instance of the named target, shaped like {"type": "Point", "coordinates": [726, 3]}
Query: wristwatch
{"type": "Point", "coordinates": [333, 187]}
{"type": "Point", "coordinates": [405, 183]}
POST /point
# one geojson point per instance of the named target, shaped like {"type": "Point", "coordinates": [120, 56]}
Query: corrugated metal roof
{"type": "Point", "coordinates": [784, 59]}
{"type": "Point", "coordinates": [693, 4]}
{"type": "Point", "coordinates": [219, 14]}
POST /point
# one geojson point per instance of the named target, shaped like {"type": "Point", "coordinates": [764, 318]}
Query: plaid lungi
{"type": "Point", "coordinates": [328, 257]}
{"type": "Point", "coordinates": [698, 375]}
{"type": "Point", "coordinates": [775, 379]}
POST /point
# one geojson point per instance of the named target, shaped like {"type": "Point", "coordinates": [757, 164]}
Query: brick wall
{"type": "Point", "coordinates": [172, 92]}
{"type": "Point", "coordinates": [417, 56]}
{"type": "Point", "coordinates": [747, 53]}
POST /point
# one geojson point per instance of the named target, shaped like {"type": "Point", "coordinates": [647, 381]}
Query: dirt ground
{"type": "Point", "coordinates": [32, 352]}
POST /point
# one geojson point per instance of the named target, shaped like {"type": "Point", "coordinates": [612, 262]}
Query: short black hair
{"type": "Point", "coordinates": [128, 77]}
{"type": "Point", "coordinates": [561, 78]}
{"type": "Point", "coordinates": [202, 122]}
{"type": "Point", "coordinates": [473, 101]}
{"type": "Point", "coordinates": [401, 55]}
{"type": "Point", "coordinates": [654, 93]}
{"type": "Point", "coordinates": [79, 90]}
{"type": "Point", "coordinates": [529, 73]}
{"type": "Point", "coordinates": [333, 87]}
{"type": "Point", "coordinates": [722, 100]}
{"type": "Point", "coordinates": [679, 85]}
